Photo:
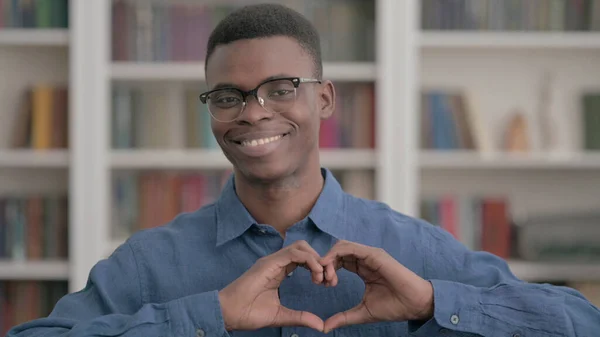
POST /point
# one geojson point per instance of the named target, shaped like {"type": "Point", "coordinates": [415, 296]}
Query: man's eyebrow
{"type": "Point", "coordinates": [231, 85]}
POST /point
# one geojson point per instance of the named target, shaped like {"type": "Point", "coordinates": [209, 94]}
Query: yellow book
{"type": "Point", "coordinates": [42, 117]}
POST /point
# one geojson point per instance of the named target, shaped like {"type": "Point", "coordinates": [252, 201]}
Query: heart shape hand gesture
{"type": "Point", "coordinates": [392, 292]}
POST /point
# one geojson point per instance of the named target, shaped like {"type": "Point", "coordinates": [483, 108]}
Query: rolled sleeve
{"type": "Point", "coordinates": [476, 293]}
{"type": "Point", "coordinates": [455, 311]}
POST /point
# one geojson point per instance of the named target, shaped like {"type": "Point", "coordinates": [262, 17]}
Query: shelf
{"type": "Point", "coordinates": [555, 271]}
{"type": "Point", "coordinates": [194, 71]}
{"type": "Point", "coordinates": [34, 270]}
{"type": "Point", "coordinates": [214, 159]}
{"type": "Point", "coordinates": [474, 160]}
{"type": "Point", "coordinates": [509, 40]}
{"type": "Point", "coordinates": [34, 37]}
{"type": "Point", "coordinates": [34, 159]}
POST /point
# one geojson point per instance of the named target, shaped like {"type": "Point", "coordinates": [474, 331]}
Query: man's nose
{"type": "Point", "coordinates": [253, 111]}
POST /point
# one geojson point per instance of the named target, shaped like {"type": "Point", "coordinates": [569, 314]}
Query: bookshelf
{"type": "Point", "coordinates": [35, 161]}
{"type": "Point", "coordinates": [505, 60]}
{"type": "Point", "coordinates": [499, 70]}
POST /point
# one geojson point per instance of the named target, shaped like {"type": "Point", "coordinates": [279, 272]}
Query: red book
{"type": "Point", "coordinates": [448, 212]}
{"type": "Point", "coordinates": [496, 227]}
{"type": "Point", "coordinates": [35, 225]}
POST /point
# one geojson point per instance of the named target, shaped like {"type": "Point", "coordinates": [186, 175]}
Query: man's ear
{"type": "Point", "coordinates": [326, 100]}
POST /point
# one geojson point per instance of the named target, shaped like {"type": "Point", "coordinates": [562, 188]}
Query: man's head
{"type": "Point", "coordinates": [268, 20]}
{"type": "Point", "coordinates": [276, 49]}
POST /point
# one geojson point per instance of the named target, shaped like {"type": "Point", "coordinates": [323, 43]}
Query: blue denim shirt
{"type": "Point", "coordinates": [165, 281]}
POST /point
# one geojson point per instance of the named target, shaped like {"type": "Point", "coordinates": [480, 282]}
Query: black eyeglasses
{"type": "Point", "coordinates": [275, 95]}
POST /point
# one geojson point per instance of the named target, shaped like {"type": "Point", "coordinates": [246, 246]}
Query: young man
{"type": "Point", "coordinates": [230, 268]}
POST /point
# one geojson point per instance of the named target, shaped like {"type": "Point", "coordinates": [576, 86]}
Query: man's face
{"type": "Point", "coordinates": [263, 145]}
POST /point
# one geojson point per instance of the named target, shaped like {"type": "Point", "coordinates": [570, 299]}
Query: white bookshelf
{"type": "Point", "coordinates": [28, 57]}
{"type": "Point", "coordinates": [502, 72]}
{"type": "Point", "coordinates": [194, 71]}
{"type": "Point", "coordinates": [34, 270]}
{"type": "Point", "coordinates": [486, 63]}
{"type": "Point", "coordinates": [34, 37]}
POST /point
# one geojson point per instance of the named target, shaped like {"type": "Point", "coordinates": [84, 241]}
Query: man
{"type": "Point", "coordinates": [231, 268]}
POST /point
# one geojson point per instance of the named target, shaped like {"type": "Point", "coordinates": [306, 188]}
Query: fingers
{"type": "Point", "coordinates": [354, 257]}
{"type": "Point", "coordinates": [356, 315]}
{"type": "Point", "coordinates": [309, 262]}
{"type": "Point", "coordinates": [346, 248]}
{"type": "Point", "coordinates": [331, 279]}
{"type": "Point", "coordinates": [289, 317]}
{"type": "Point", "coordinates": [300, 253]}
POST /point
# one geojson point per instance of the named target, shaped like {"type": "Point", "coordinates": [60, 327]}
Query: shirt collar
{"type": "Point", "coordinates": [233, 219]}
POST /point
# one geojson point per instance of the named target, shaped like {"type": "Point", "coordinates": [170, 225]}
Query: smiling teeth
{"type": "Point", "coordinates": [262, 141]}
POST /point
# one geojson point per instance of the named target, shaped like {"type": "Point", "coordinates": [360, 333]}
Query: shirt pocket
{"type": "Point", "coordinates": [384, 329]}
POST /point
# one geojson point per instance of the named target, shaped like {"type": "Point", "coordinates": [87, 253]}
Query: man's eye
{"type": "Point", "coordinates": [224, 102]}
{"type": "Point", "coordinates": [282, 92]}
{"type": "Point", "coordinates": [227, 99]}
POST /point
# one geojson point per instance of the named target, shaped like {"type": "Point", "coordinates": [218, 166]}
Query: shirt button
{"type": "Point", "coordinates": [200, 333]}
{"type": "Point", "coordinates": [444, 331]}
{"type": "Point", "coordinates": [290, 274]}
{"type": "Point", "coordinates": [263, 231]}
{"type": "Point", "coordinates": [295, 335]}
{"type": "Point", "coordinates": [454, 319]}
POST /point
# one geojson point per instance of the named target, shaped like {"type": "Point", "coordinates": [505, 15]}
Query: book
{"type": "Point", "coordinates": [34, 14]}
{"type": "Point", "coordinates": [43, 118]}
{"type": "Point", "coordinates": [178, 31]}
{"type": "Point", "coordinates": [34, 227]}
{"type": "Point", "coordinates": [511, 15]}
{"type": "Point", "coordinates": [481, 223]}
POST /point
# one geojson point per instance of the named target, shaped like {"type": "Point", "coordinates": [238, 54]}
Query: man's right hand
{"type": "Point", "coordinates": [251, 302]}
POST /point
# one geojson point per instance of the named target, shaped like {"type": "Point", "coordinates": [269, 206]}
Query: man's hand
{"type": "Point", "coordinates": [392, 292]}
{"type": "Point", "coordinates": [251, 302]}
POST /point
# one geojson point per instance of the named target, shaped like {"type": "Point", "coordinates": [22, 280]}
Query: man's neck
{"type": "Point", "coordinates": [281, 204]}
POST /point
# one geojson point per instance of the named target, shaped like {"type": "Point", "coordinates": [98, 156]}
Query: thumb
{"type": "Point", "coordinates": [356, 315]}
{"type": "Point", "coordinates": [289, 317]}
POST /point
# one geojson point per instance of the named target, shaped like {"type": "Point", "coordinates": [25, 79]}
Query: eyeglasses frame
{"type": "Point", "coordinates": [296, 81]}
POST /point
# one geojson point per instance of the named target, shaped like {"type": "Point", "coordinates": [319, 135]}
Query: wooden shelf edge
{"type": "Point", "coordinates": [34, 270]}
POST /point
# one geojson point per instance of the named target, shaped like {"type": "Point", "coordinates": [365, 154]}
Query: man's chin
{"type": "Point", "coordinates": [265, 173]}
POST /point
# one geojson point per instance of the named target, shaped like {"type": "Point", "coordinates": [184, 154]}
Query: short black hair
{"type": "Point", "coordinates": [267, 20]}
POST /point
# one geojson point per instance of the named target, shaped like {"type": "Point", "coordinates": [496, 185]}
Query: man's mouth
{"type": "Point", "coordinates": [260, 141]}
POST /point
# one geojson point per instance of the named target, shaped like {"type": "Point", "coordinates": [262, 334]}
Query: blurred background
{"type": "Point", "coordinates": [480, 116]}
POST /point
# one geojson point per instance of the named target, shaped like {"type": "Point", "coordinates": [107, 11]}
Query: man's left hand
{"type": "Point", "coordinates": [392, 291]}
